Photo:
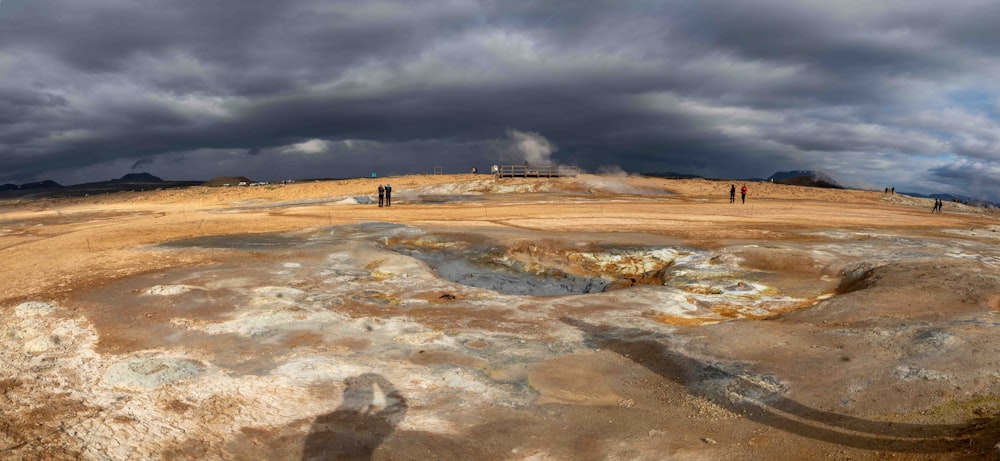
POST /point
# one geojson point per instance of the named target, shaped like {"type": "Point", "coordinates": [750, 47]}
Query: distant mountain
{"type": "Point", "coordinates": [807, 178]}
{"type": "Point", "coordinates": [951, 198]}
{"type": "Point", "coordinates": [46, 184]}
{"type": "Point", "coordinates": [130, 182]}
{"type": "Point", "coordinates": [672, 175]}
{"type": "Point", "coordinates": [138, 177]}
{"type": "Point", "coordinates": [227, 181]}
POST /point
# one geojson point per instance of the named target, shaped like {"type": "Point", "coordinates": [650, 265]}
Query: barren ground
{"type": "Point", "coordinates": [516, 319]}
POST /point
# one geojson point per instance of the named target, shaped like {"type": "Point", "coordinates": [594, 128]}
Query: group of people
{"type": "Point", "coordinates": [743, 193]}
{"type": "Point", "coordinates": [384, 195]}
{"type": "Point", "coordinates": [938, 203]}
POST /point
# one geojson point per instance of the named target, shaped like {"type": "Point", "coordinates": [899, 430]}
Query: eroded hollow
{"type": "Point", "coordinates": [539, 268]}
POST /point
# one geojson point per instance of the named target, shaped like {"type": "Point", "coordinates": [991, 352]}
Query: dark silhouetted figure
{"type": "Point", "coordinates": [743, 193]}
{"type": "Point", "coordinates": [381, 195]}
{"type": "Point", "coordinates": [388, 195]}
{"type": "Point", "coordinates": [732, 193]}
{"type": "Point", "coordinates": [359, 425]}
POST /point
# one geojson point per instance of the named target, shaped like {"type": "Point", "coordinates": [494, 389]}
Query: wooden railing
{"type": "Point", "coordinates": [536, 171]}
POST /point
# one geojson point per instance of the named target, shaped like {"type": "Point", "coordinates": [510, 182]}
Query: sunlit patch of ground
{"type": "Point", "coordinates": [564, 319]}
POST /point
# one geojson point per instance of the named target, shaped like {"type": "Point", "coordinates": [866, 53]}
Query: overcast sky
{"type": "Point", "coordinates": [875, 93]}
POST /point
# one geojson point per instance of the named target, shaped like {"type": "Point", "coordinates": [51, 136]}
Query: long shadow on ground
{"type": "Point", "coordinates": [358, 426]}
{"type": "Point", "coordinates": [760, 400]}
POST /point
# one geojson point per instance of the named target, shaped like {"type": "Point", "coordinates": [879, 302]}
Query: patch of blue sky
{"type": "Point", "coordinates": [981, 101]}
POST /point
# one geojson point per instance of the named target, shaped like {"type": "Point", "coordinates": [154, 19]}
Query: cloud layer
{"type": "Point", "coordinates": [883, 93]}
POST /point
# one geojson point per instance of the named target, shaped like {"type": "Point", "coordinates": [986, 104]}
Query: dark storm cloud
{"type": "Point", "coordinates": [141, 163]}
{"type": "Point", "coordinates": [307, 88]}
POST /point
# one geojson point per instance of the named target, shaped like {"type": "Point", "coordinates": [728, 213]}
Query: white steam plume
{"type": "Point", "coordinates": [530, 147]}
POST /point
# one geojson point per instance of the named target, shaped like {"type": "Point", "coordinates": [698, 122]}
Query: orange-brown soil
{"type": "Point", "coordinates": [291, 322]}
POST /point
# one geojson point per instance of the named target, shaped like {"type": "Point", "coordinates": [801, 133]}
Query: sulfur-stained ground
{"type": "Point", "coordinates": [581, 318]}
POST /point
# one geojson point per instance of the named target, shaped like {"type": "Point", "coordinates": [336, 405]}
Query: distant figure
{"type": "Point", "coordinates": [495, 169]}
{"type": "Point", "coordinates": [474, 170]}
{"type": "Point", "coordinates": [373, 174]}
{"type": "Point", "coordinates": [388, 195]}
{"type": "Point", "coordinates": [732, 193]}
{"type": "Point", "coordinates": [381, 195]}
{"type": "Point", "coordinates": [892, 191]}
{"type": "Point", "coordinates": [743, 193]}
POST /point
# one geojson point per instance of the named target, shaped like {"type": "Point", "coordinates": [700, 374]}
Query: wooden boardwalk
{"type": "Point", "coordinates": [535, 171]}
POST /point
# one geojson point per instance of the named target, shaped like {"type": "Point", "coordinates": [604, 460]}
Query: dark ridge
{"type": "Point", "coordinates": [806, 178]}
{"type": "Point", "coordinates": [673, 175]}
{"type": "Point", "coordinates": [138, 177]}
{"type": "Point", "coordinates": [227, 181]}
{"type": "Point", "coordinates": [46, 184]}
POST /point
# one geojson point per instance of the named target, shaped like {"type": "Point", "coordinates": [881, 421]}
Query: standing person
{"type": "Point", "coordinates": [743, 193]}
{"type": "Point", "coordinates": [732, 193]}
{"type": "Point", "coordinates": [381, 195]}
{"type": "Point", "coordinates": [388, 195]}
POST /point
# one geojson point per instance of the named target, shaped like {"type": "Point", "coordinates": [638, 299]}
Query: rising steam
{"type": "Point", "coordinates": [528, 146]}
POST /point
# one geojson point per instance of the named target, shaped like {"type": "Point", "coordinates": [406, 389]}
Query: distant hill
{"type": "Point", "coordinates": [129, 182]}
{"type": "Point", "coordinates": [46, 184]}
{"type": "Point", "coordinates": [32, 186]}
{"type": "Point", "coordinates": [227, 181]}
{"type": "Point", "coordinates": [807, 178]}
{"type": "Point", "coordinates": [138, 178]}
{"type": "Point", "coordinates": [951, 198]}
{"type": "Point", "coordinates": [673, 175]}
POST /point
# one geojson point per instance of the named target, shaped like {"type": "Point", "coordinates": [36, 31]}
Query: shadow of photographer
{"type": "Point", "coordinates": [370, 411]}
{"type": "Point", "coordinates": [761, 399]}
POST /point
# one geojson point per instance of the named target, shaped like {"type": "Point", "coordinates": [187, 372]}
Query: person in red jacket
{"type": "Point", "coordinates": [743, 193]}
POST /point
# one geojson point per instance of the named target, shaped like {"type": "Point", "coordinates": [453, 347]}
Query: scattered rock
{"type": "Point", "coordinates": [33, 309]}
{"type": "Point", "coordinates": [148, 373]}
{"type": "Point", "coordinates": [168, 290]}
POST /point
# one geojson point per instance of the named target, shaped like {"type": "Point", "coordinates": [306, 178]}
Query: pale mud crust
{"type": "Point", "coordinates": [296, 322]}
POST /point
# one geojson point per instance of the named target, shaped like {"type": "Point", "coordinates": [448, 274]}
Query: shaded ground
{"type": "Point", "coordinates": [288, 323]}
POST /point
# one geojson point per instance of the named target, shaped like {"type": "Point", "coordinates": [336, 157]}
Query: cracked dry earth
{"type": "Point", "coordinates": [588, 318]}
